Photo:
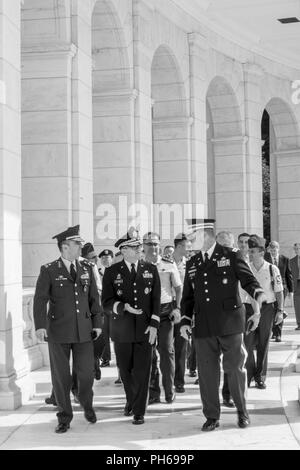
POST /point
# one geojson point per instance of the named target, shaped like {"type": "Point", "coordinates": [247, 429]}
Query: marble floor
{"type": "Point", "coordinates": [274, 413]}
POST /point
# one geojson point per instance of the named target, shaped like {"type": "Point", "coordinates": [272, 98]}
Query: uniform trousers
{"type": "Point", "coordinates": [134, 361]}
{"type": "Point", "coordinates": [180, 345]}
{"type": "Point", "coordinates": [166, 351]}
{"type": "Point", "coordinates": [277, 329]}
{"type": "Point", "coordinates": [297, 303]}
{"type": "Point", "coordinates": [259, 339]}
{"type": "Point", "coordinates": [208, 351]}
{"type": "Point", "coordinates": [83, 364]}
{"type": "Point", "coordinates": [106, 353]}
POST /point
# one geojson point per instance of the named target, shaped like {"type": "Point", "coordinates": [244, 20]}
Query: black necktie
{"type": "Point", "coordinates": [73, 272]}
{"type": "Point", "coordinates": [133, 272]}
{"type": "Point", "coordinates": [206, 258]}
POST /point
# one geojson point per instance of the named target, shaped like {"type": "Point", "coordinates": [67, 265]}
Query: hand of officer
{"type": "Point", "coordinates": [255, 318]}
{"type": "Point", "coordinates": [135, 311]}
{"type": "Point", "coordinates": [261, 299]}
{"type": "Point", "coordinates": [152, 334]}
{"type": "Point", "coordinates": [41, 334]}
{"type": "Point", "coordinates": [185, 331]}
{"type": "Point", "coordinates": [175, 316]}
{"type": "Point", "coordinates": [278, 317]}
{"type": "Point", "coordinates": [98, 332]}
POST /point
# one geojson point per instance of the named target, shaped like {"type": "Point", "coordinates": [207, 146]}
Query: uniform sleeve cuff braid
{"type": "Point", "coordinates": [155, 320]}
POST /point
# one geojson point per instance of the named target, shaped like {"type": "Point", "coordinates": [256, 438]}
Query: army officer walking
{"type": "Point", "coordinates": [131, 295]}
{"type": "Point", "coordinates": [66, 313]}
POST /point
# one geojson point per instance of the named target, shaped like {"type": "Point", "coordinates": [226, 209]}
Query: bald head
{"type": "Point", "coordinates": [225, 238]}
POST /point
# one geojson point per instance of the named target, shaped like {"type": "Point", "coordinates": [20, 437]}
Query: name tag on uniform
{"type": "Point", "coordinates": [147, 275]}
{"type": "Point", "coordinates": [223, 263]}
{"type": "Point", "coordinates": [61, 278]}
{"type": "Point", "coordinates": [118, 281]}
{"type": "Point", "coordinates": [85, 276]}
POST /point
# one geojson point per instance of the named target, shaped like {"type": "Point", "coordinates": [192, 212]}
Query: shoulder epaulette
{"type": "Point", "coordinates": [167, 260]}
{"type": "Point", "coordinates": [47, 265]}
{"type": "Point", "coordinates": [235, 250]}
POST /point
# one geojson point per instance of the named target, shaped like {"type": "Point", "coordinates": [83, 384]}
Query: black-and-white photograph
{"type": "Point", "coordinates": [150, 227]}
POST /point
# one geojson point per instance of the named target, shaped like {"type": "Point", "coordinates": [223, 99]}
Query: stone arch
{"type": "Point", "coordinates": [111, 69]}
{"type": "Point", "coordinates": [284, 147]}
{"type": "Point", "coordinates": [51, 23]}
{"type": "Point", "coordinates": [167, 85]}
{"type": "Point", "coordinates": [113, 123]}
{"type": "Point", "coordinates": [224, 108]}
{"type": "Point", "coordinates": [170, 136]}
{"type": "Point", "coordinates": [225, 152]}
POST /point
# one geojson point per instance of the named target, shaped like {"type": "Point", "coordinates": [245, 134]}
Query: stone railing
{"type": "Point", "coordinates": [36, 353]}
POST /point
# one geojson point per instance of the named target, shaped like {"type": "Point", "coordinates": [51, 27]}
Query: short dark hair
{"type": "Point", "coordinates": [179, 239]}
{"type": "Point", "coordinates": [243, 235]}
{"type": "Point", "coordinates": [168, 246]}
{"type": "Point", "coordinates": [150, 235]}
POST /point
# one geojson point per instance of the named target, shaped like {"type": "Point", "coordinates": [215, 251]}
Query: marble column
{"type": "Point", "coordinates": [14, 385]}
{"type": "Point", "coordinates": [198, 52]}
{"type": "Point", "coordinates": [253, 75]}
{"type": "Point", "coordinates": [57, 178]}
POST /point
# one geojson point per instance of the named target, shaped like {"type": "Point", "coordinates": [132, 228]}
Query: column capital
{"type": "Point", "coordinates": [197, 40]}
{"type": "Point", "coordinates": [130, 94]}
{"type": "Point", "coordinates": [253, 69]}
{"type": "Point", "coordinates": [49, 50]}
{"type": "Point", "coordinates": [173, 121]}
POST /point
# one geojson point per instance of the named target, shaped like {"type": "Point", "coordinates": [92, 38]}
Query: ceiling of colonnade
{"type": "Point", "coordinates": [253, 24]}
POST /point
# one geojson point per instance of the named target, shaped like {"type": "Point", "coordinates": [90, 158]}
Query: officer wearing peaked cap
{"type": "Point", "coordinates": [211, 292]}
{"type": "Point", "coordinates": [66, 312]}
{"type": "Point", "coordinates": [131, 295]}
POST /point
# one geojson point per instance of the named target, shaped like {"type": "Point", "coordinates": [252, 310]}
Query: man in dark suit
{"type": "Point", "coordinates": [106, 259]}
{"type": "Point", "coordinates": [131, 295]}
{"type": "Point", "coordinates": [295, 267]}
{"type": "Point", "coordinates": [211, 291]}
{"type": "Point", "coordinates": [283, 264]}
{"type": "Point", "coordinates": [67, 286]}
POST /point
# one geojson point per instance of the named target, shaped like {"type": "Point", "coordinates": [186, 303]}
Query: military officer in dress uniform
{"type": "Point", "coordinates": [211, 292]}
{"type": "Point", "coordinates": [131, 295]}
{"type": "Point", "coordinates": [106, 258]}
{"type": "Point", "coordinates": [67, 286]}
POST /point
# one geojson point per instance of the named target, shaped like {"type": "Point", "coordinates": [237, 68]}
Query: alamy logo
{"type": "Point", "coordinates": [296, 94]}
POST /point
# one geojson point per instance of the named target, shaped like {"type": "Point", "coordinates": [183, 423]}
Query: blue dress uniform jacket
{"type": "Point", "coordinates": [74, 308]}
{"type": "Point", "coordinates": [143, 293]}
{"type": "Point", "coordinates": [211, 292]}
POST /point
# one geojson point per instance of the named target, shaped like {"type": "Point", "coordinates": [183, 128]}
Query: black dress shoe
{"type": "Point", "coordinates": [243, 420]}
{"type": "Point", "coordinates": [297, 328]}
{"type": "Point", "coordinates": [104, 363]}
{"type": "Point", "coordinates": [118, 381]}
{"type": "Point", "coordinates": [128, 410]}
{"type": "Point", "coordinates": [210, 424]}
{"type": "Point", "coordinates": [192, 373]}
{"type": "Point", "coordinates": [228, 403]}
{"type": "Point", "coordinates": [50, 400]}
{"type": "Point", "coordinates": [277, 339]}
{"type": "Point", "coordinates": [61, 428]}
{"type": "Point", "coordinates": [170, 398]}
{"type": "Point", "coordinates": [260, 384]}
{"type": "Point", "coordinates": [196, 382]}
{"type": "Point", "coordinates": [179, 389]}
{"type": "Point", "coordinates": [138, 419]}
{"type": "Point", "coordinates": [90, 416]}
{"type": "Point", "coordinates": [153, 400]}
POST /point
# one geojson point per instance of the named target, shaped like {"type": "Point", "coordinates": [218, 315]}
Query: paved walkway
{"type": "Point", "coordinates": [274, 413]}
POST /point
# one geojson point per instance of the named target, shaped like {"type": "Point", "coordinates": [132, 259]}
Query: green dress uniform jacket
{"type": "Point", "coordinates": [211, 291]}
{"type": "Point", "coordinates": [142, 293]}
{"type": "Point", "coordinates": [68, 310]}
